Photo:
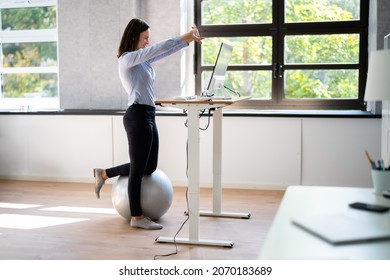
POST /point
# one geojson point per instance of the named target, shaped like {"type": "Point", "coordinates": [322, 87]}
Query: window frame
{"type": "Point", "coordinates": [278, 29]}
{"type": "Point", "coordinates": [29, 36]}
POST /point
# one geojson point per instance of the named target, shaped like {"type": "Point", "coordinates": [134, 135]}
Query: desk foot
{"type": "Point", "coordinates": [206, 242]}
{"type": "Point", "coordinates": [223, 214]}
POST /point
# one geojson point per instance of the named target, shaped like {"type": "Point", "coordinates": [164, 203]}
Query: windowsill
{"type": "Point", "coordinates": [303, 113]}
{"type": "Point", "coordinates": [227, 113]}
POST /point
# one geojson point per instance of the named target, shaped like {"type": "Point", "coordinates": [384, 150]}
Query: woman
{"type": "Point", "coordinates": [137, 76]}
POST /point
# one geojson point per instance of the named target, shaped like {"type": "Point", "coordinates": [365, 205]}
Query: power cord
{"type": "Point", "coordinates": [188, 211]}
{"type": "Point", "coordinates": [232, 90]}
{"type": "Point", "coordinates": [200, 115]}
{"type": "Point", "coordinates": [174, 237]}
{"type": "Point", "coordinates": [209, 93]}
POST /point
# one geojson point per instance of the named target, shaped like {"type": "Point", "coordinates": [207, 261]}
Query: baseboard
{"type": "Point", "coordinates": [90, 180]}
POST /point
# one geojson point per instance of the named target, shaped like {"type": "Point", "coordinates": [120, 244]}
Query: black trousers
{"type": "Point", "coordinates": [142, 135]}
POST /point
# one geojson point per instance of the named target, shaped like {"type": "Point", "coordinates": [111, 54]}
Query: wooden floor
{"type": "Point", "coordinates": [90, 229]}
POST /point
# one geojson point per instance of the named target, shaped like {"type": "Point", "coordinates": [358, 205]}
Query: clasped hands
{"type": "Point", "coordinates": [192, 35]}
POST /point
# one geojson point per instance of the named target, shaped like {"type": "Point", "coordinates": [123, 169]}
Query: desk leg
{"type": "Point", "coordinates": [217, 172]}
{"type": "Point", "coordinates": [217, 161]}
{"type": "Point", "coordinates": [193, 188]}
{"type": "Point", "coordinates": [193, 173]}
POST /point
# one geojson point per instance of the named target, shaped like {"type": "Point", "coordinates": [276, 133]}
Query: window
{"type": "Point", "coordinates": [301, 54]}
{"type": "Point", "coordinates": [28, 55]}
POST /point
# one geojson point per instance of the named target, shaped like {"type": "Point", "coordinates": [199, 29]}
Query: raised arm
{"type": "Point", "coordinates": [162, 49]}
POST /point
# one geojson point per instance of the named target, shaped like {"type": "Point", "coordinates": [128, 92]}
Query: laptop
{"type": "Point", "coordinates": [341, 228]}
{"type": "Point", "coordinates": [217, 79]}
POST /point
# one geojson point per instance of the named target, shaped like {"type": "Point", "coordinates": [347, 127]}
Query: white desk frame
{"type": "Point", "coordinates": [193, 107]}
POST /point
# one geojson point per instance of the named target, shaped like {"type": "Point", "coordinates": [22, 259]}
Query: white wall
{"type": "Point", "coordinates": [58, 148]}
{"type": "Point", "coordinates": [89, 32]}
{"type": "Point", "coordinates": [258, 152]}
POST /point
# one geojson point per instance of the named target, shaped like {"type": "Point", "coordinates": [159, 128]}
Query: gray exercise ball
{"type": "Point", "coordinates": [156, 195]}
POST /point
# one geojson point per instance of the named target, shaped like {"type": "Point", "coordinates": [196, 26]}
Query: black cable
{"type": "Point", "coordinates": [185, 221]}
{"type": "Point", "coordinates": [232, 90]}
{"type": "Point", "coordinates": [174, 237]}
{"type": "Point", "coordinates": [200, 115]}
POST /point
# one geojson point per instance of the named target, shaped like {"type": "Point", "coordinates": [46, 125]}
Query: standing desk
{"type": "Point", "coordinates": [193, 107]}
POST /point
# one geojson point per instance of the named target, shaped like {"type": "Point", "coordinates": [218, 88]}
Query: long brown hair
{"type": "Point", "coordinates": [130, 37]}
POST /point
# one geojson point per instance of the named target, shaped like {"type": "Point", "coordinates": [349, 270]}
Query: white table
{"type": "Point", "coordinates": [287, 241]}
{"type": "Point", "coordinates": [193, 107]}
